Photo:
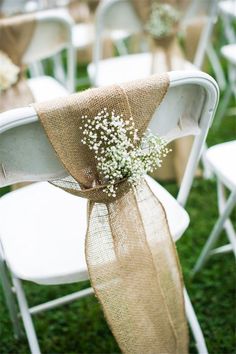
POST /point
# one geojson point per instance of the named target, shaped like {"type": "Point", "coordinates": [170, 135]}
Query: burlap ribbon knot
{"type": "Point", "coordinates": [15, 36]}
{"type": "Point", "coordinates": [130, 254]}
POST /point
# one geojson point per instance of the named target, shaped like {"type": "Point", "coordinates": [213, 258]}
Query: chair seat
{"type": "Point", "coordinates": [42, 231]}
{"type": "Point", "coordinates": [221, 158]}
{"type": "Point", "coordinates": [83, 35]}
{"type": "Point", "coordinates": [229, 52]}
{"type": "Point", "coordinates": [131, 67]}
{"type": "Point", "coordinates": [46, 88]}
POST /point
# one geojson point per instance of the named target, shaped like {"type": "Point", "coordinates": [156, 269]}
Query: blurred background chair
{"type": "Point", "coordinates": [227, 9]}
{"type": "Point", "coordinates": [120, 14]}
{"type": "Point", "coordinates": [52, 34]}
{"type": "Point", "coordinates": [196, 26]}
{"type": "Point", "coordinates": [228, 52]}
{"type": "Point", "coordinates": [83, 32]}
{"type": "Point", "coordinates": [227, 13]}
{"type": "Point", "coordinates": [221, 159]}
{"type": "Point", "coordinates": [45, 244]}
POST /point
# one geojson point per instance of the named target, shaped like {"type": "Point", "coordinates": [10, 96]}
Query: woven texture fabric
{"type": "Point", "coordinates": [15, 36]}
{"type": "Point", "coordinates": [130, 254]}
{"type": "Point", "coordinates": [167, 55]}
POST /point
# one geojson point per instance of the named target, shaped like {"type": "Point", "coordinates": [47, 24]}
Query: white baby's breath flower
{"type": "Point", "coordinates": [121, 154]}
{"type": "Point", "coordinates": [163, 20]}
{"type": "Point", "coordinates": [8, 72]}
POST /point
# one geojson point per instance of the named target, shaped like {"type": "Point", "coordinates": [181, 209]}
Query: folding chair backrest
{"type": "Point", "coordinates": [52, 34]}
{"type": "Point", "coordinates": [120, 15]}
{"type": "Point", "coordinates": [112, 15]}
{"type": "Point", "coordinates": [206, 11]}
{"type": "Point", "coordinates": [187, 109]}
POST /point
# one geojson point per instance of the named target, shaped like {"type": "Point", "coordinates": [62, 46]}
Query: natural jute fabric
{"type": "Point", "coordinates": [167, 55]}
{"type": "Point", "coordinates": [15, 36]}
{"type": "Point", "coordinates": [130, 254]}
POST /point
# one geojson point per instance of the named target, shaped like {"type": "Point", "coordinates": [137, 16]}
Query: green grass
{"type": "Point", "coordinates": [80, 327]}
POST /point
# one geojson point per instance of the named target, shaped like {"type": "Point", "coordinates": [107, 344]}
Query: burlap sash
{"type": "Point", "coordinates": [167, 55]}
{"type": "Point", "coordinates": [130, 254]}
{"type": "Point", "coordinates": [15, 36]}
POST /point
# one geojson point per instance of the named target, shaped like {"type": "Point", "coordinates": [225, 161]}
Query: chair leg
{"type": "Point", "coordinates": [58, 69]}
{"type": "Point", "coordinates": [194, 325]}
{"type": "Point", "coordinates": [10, 299]}
{"type": "Point", "coordinates": [121, 47]}
{"type": "Point", "coordinates": [36, 69]}
{"type": "Point", "coordinates": [223, 106]}
{"type": "Point", "coordinates": [26, 316]}
{"type": "Point", "coordinates": [228, 226]}
{"type": "Point", "coordinates": [217, 67]}
{"type": "Point", "coordinates": [215, 232]}
{"type": "Point", "coordinates": [207, 171]}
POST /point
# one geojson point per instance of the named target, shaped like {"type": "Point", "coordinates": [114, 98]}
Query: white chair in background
{"type": "Point", "coordinates": [120, 15]}
{"type": "Point", "coordinates": [54, 33]}
{"type": "Point", "coordinates": [44, 245]}
{"type": "Point", "coordinates": [227, 12]}
{"type": "Point", "coordinates": [83, 36]}
{"type": "Point", "coordinates": [51, 36]}
{"type": "Point", "coordinates": [229, 53]}
{"type": "Point", "coordinates": [222, 161]}
{"type": "Point", "coordinates": [205, 48]}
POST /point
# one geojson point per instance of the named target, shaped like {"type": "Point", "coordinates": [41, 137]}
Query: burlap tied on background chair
{"type": "Point", "coordinates": [174, 59]}
{"type": "Point", "coordinates": [15, 37]}
{"type": "Point", "coordinates": [130, 254]}
{"type": "Point", "coordinates": [23, 40]}
{"type": "Point", "coordinates": [164, 54]}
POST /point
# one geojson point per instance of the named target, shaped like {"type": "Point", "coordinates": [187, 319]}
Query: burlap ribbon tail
{"type": "Point", "coordinates": [131, 258]}
{"type": "Point", "coordinates": [15, 36]}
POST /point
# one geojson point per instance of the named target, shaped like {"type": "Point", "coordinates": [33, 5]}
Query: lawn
{"type": "Point", "coordinates": [80, 327]}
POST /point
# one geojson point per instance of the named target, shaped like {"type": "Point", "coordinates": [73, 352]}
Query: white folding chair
{"type": "Point", "coordinates": [83, 36]}
{"type": "Point", "coordinates": [37, 249]}
{"type": "Point", "coordinates": [227, 12]}
{"type": "Point", "coordinates": [120, 15]}
{"type": "Point", "coordinates": [221, 157]}
{"type": "Point", "coordinates": [52, 34]}
{"type": "Point", "coordinates": [229, 53]}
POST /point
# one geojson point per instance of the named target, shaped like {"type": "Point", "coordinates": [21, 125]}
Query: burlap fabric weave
{"type": "Point", "coordinates": [167, 55]}
{"type": "Point", "coordinates": [130, 254]}
{"type": "Point", "coordinates": [15, 36]}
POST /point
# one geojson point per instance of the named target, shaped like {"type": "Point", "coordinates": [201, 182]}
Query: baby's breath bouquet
{"type": "Point", "coordinates": [119, 151]}
{"type": "Point", "coordinates": [163, 20]}
{"type": "Point", "coordinates": [8, 72]}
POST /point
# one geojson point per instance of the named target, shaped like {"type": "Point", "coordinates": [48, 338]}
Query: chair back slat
{"type": "Point", "coordinates": [52, 34]}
